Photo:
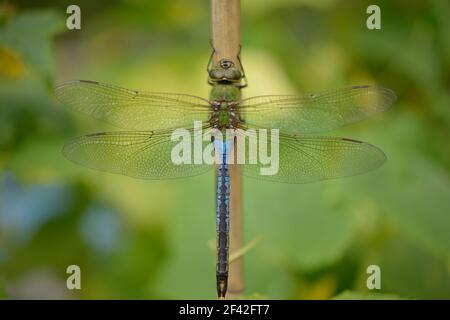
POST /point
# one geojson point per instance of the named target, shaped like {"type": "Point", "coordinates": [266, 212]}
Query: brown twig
{"type": "Point", "coordinates": [226, 42]}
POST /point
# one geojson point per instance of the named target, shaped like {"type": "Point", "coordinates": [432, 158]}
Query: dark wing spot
{"type": "Point", "coordinates": [351, 140]}
{"type": "Point", "coordinates": [88, 81]}
{"type": "Point", "coordinates": [96, 134]}
{"type": "Point", "coordinates": [360, 87]}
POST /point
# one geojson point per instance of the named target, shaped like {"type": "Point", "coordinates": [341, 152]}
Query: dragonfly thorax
{"type": "Point", "coordinates": [224, 115]}
{"type": "Point", "coordinates": [224, 99]}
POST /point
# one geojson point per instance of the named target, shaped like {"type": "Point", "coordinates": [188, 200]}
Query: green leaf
{"type": "Point", "coordinates": [304, 226]}
{"type": "Point", "coordinates": [29, 34]}
{"type": "Point", "coordinates": [412, 188]}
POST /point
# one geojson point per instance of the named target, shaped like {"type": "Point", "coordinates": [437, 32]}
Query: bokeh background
{"type": "Point", "coordinates": [154, 239]}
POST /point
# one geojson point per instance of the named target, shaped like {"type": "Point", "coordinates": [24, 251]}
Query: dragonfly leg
{"type": "Point", "coordinates": [208, 66]}
{"type": "Point", "coordinates": [244, 78]}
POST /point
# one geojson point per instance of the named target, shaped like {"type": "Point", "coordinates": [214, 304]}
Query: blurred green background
{"type": "Point", "coordinates": [152, 239]}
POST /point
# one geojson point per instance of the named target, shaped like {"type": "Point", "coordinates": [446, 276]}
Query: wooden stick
{"type": "Point", "coordinates": [226, 25]}
{"type": "Point", "coordinates": [226, 41]}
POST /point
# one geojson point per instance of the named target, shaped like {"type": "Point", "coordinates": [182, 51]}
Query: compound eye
{"type": "Point", "coordinates": [233, 74]}
{"type": "Point", "coordinates": [215, 74]}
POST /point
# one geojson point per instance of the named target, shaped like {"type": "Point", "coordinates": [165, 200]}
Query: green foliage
{"type": "Point", "coordinates": [2, 289]}
{"type": "Point", "coordinates": [26, 76]}
{"type": "Point", "coordinates": [318, 239]}
{"type": "Point", "coordinates": [29, 35]}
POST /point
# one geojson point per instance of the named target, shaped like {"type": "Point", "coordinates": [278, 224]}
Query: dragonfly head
{"type": "Point", "coordinates": [225, 71]}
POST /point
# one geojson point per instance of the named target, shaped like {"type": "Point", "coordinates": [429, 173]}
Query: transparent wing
{"type": "Point", "coordinates": [131, 109]}
{"type": "Point", "coordinates": [313, 113]}
{"type": "Point", "coordinates": [308, 159]}
{"type": "Point", "coordinates": [144, 155]}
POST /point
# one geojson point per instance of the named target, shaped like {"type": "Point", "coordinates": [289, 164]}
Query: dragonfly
{"type": "Point", "coordinates": [143, 149]}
